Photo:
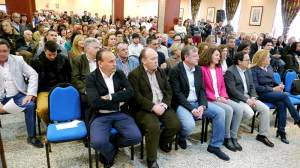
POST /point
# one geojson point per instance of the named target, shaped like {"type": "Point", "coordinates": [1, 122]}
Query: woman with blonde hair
{"type": "Point", "coordinates": [201, 47]}
{"type": "Point", "coordinates": [217, 95]}
{"type": "Point", "coordinates": [176, 55]}
{"type": "Point", "coordinates": [268, 91]}
{"type": "Point", "coordinates": [77, 46]}
{"type": "Point", "coordinates": [110, 42]}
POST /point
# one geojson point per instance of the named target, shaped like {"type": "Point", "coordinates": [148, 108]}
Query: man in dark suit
{"type": "Point", "coordinates": [190, 101]}
{"type": "Point", "coordinates": [231, 50]}
{"type": "Point", "coordinates": [256, 46]}
{"type": "Point", "coordinates": [152, 105]}
{"type": "Point", "coordinates": [107, 89]}
{"type": "Point", "coordinates": [240, 88]}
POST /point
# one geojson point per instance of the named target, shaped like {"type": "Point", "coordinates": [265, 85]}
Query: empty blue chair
{"type": "Point", "coordinates": [277, 78]}
{"type": "Point", "coordinates": [64, 115]}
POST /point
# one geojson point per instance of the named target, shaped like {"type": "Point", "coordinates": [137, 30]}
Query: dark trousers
{"type": "Point", "coordinates": [128, 135]}
{"type": "Point", "coordinates": [150, 126]}
{"type": "Point", "coordinates": [29, 111]}
{"type": "Point", "coordinates": [281, 101]}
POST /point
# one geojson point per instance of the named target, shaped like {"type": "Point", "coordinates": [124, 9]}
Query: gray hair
{"type": "Point", "coordinates": [186, 51]}
{"type": "Point", "coordinates": [90, 40]}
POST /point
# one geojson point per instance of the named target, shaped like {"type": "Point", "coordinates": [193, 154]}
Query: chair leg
{"type": "Point", "coordinates": [253, 122]}
{"type": "Point", "coordinates": [50, 149]}
{"type": "Point", "coordinates": [206, 130]}
{"type": "Point", "coordinates": [97, 159]}
{"type": "Point", "coordinates": [39, 125]}
{"type": "Point", "coordinates": [90, 154]}
{"type": "Point", "coordinates": [47, 154]}
{"type": "Point", "coordinates": [276, 119]}
{"type": "Point", "coordinates": [142, 148]}
{"type": "Point", "coordinates": [132, 152]}
{"type": "Point", "coordinates": [202, 131]}
{"type": "Point", "coordinates": [176, 141]}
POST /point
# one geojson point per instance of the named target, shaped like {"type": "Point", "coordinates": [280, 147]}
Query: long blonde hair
{"type": "Point", "coordinates": [259, 57]}
{"type": "Point", "coordinates": [75, 48]}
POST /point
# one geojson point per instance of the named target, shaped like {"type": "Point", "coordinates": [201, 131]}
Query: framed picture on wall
{"type": "Point", "coordinates": [256, 15]}
{"type": "Point", "coordinates": [210, 17]}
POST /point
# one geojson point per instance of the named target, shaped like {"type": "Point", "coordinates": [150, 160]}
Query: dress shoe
{"type": "Point", "coordinates": [152, 164]}
{"type": "Point", "coordinates": [182, 143]}
{"type": "Point", "coordinates": [229, 145]}
{"type": "Point", "coordinates": [35, 142]}
{"type": "Point", "coordinates": [165, 147]}
{"type": "Point", "coordinates": [236, 144]}
{"type": "Point", "coordinates": [218, 153]}
{"type": "Point", "coordinates": [297, 123]}
{"type": "Point", "coordinates": [282, 137]}
{"type": "Point", "coordinates": [106, 164]}
{"type": "Point", "coordinates": [264, 140]}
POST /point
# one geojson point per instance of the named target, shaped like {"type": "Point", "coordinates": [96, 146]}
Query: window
{"type": "Point", "coordinates": [236, 18]}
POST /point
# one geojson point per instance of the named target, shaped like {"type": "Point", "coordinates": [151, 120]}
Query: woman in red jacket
{"type": "Point", "coordinates": [216, 94]}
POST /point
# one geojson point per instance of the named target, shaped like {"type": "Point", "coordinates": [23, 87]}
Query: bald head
{"type": "Point", "coordinates": [149, 58]}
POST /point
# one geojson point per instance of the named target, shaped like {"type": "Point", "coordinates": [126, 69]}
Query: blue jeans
{"type": "Point", "coordinates": [30, 117]}
{"type": "Point", "coordinates": [281, 101]}
{"type": "Point", "coordinates": [213, 112]}
{"type": "Point", "coordinates": [128, 133]}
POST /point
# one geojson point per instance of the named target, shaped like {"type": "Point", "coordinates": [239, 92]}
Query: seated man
{"type": "Point", "coordinates": [26, 42]}
{"type": "Point", "coordinates": [191, 104]}
{"type": "Point", "coordinates": [125, 62]}
{"type": "Point", "coordinates": [13, 69]}
{"type": "Point", "coordinates": [152, 105]}
{"type": "Point", "coordinates": [82, 65]}
{"type": "Point", "coordinates": [240, 88]}
{"type": "Point", "coordinates": [107, 89]}
{"type": "Point", "coordinates": [53, 68]}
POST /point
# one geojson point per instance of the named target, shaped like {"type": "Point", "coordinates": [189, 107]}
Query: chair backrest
{"type": "Point", "coordinates": [290, 76]}
{"type": "Point", "coordinates": [64, 103]}
{"type": "Point", "coordinates": [277, 78]}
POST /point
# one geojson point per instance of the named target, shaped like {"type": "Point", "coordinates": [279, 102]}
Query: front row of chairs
{"type": "Point", "coordinates": [66, 126]}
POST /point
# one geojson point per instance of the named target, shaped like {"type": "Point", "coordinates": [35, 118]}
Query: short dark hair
{"type": "Point", "coordinates": [51, 46]}
{"type": "Point", "coordinates": [239, 56]}
{"type": "Point", "coordinates": [150, 39]}
{"type": "Point", "coordinates": [4, 42]}
{"type": "Point", "coordinates": [135, 35]}
{"type": "Point", "coordinates": [99, 54]}
{"type": "Point", "coordinates": [243, 45]}
{"type": "Point", "coordinates": [265, 41]}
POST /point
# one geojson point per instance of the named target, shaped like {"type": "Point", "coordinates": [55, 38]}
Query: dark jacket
{"type": "Point", "coordinates": [263, 80]}
{"type": "Point", "coordinates": [96, 87]}
{"type": "Point", "coordinates": [52, 73]}
{"type": "Point", "coordinates": [230, 57]}
{"type": "Point", "coordinates": [291, 62]}
{"type": "Point", "coordinates": [253, 49]}
{"type": "Point", "coordinates": [21, 45]}
{"type": "Point", "coordinates": [161, 58]}
{"type": "Point", "coordinates": [180, 86]}
{"type": "Point", "coordinates": [235, 86]}
{"type": "Point", "coordinates": [142, 89]}
{"type": "Point", "coordinates": [80, 69]}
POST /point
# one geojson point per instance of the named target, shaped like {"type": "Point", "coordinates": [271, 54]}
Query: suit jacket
{"type": "Point", "coordinates": [253, 49]}
{"type": "Point", "coordinates": [20, 69]}
{"type": "Point", "coordinates": [180, 86]}
{"type": "Point", "coordinates": [142, 89]}
{"type": "Point", "coordinates": [210, 92]}
{"type": "Point", "coordinates": [96, 87]}
{"type": "Point", "coordinates": [235, 86]}
{"type": "Point", "coordinates": [80, 69]}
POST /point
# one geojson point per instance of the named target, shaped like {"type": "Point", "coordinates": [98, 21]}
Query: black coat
{"type": "Point", "coordinates": [180, 86]}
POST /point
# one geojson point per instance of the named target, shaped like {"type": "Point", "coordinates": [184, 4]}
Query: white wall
{"type": "Point", "coordinates": [140, 8]}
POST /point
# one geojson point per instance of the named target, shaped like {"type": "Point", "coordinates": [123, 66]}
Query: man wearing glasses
{"type": "Point", "coordinates": [240, 88]}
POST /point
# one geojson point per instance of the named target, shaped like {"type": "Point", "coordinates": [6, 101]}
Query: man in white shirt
{"type": "Point", "coordinates": [161, 48]}
{"type": "Point", "coordinates": [13, 71]}
{"type": "Point", "coordinates": [180, 29]}
{"type": "Point", "coordinates": [135, 47]}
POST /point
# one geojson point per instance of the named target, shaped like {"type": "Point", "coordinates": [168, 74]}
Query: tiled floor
{"type": "Point", "coordinates": [72, 155]}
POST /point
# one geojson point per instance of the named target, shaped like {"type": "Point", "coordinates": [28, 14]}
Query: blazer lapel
{"type": "Point", "coordinates": [183, 73]}
{"type": "Point", "coordinates": [100, 79]}
{"type": "Point", "coordinates": [145, 76]}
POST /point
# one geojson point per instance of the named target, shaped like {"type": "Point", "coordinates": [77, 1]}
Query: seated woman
{"type": "Point", "coordinates": [224, 52]}
{"type": "Point", "coordinates": [216, 94]}
{"type": "Point", "coordinates": [265, 87]}
{"type": "Point", "coordinates": [293, 57]}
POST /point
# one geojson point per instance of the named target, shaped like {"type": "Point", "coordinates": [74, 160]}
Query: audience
{"type": "Point", "coordinates": [152, 105]}
{"type": "Point", "coordinates": [267, 91]}
{"type": "Point", "coordinates": [107, 89]}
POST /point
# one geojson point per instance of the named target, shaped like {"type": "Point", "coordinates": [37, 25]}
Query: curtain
{"type": "Point", "coordinates": [195, 8]}
{"type": "Point", "coordinates": [289, 9]}
{"type": "Point", "coordinates": [231, 7]}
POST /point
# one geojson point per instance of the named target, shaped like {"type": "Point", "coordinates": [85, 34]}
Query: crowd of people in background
{"type": "Point", "coordinates": [140, 80]}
